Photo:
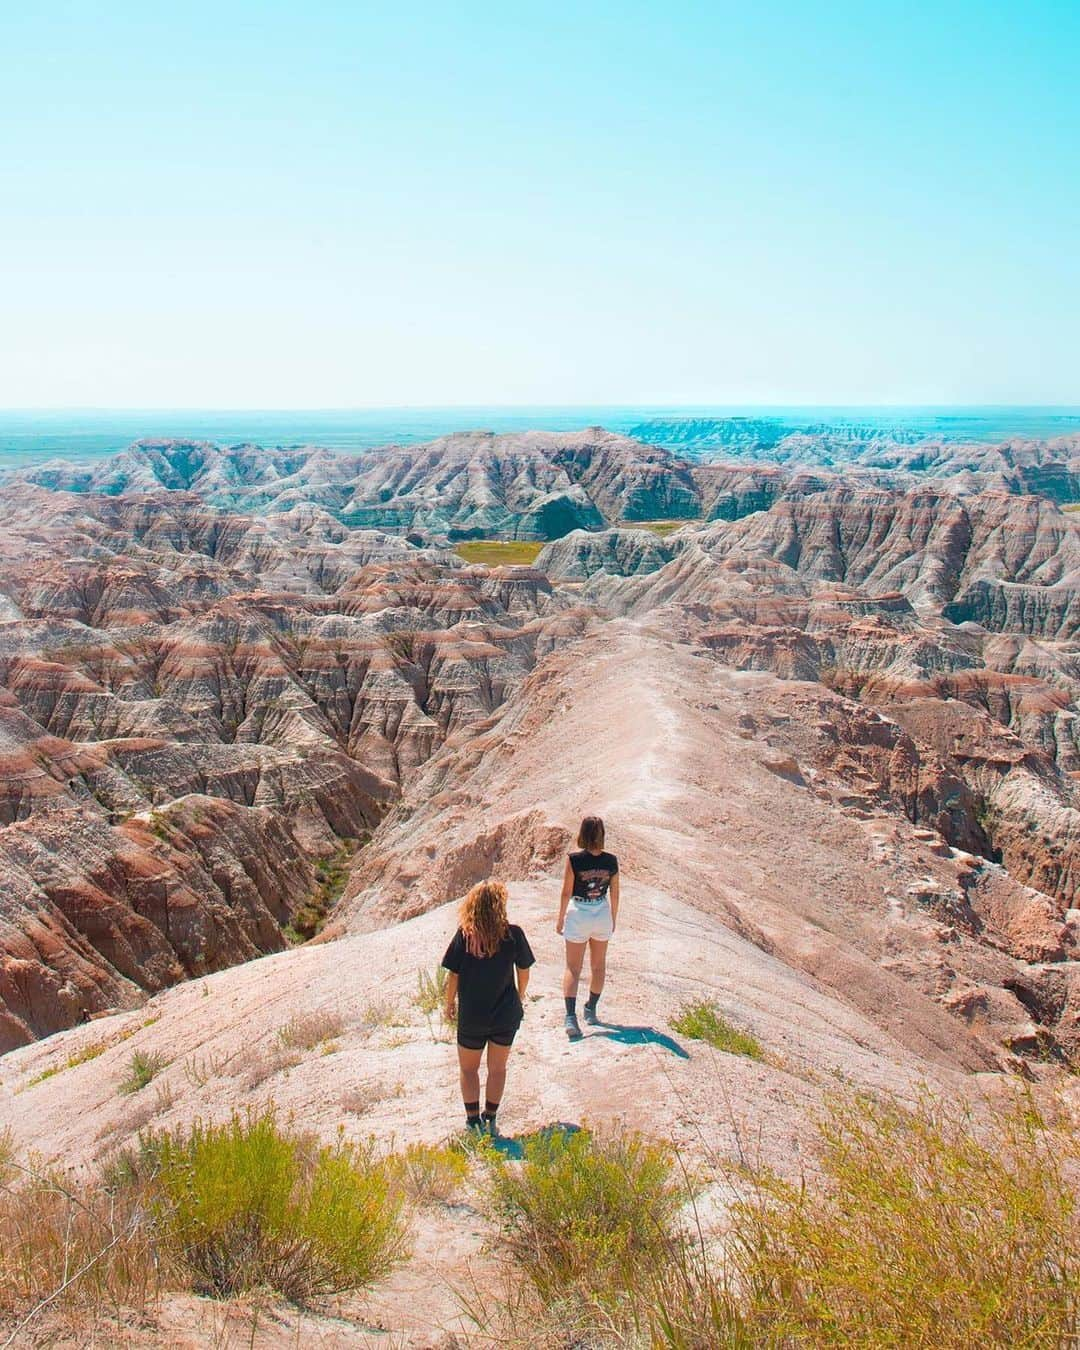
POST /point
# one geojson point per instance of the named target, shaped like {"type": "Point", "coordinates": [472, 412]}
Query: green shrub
{"type": "Point", "coordinates": [588, 1214]}
{"type": "Point", "coordinates": [245, 1204]}
{"type": "Point", "coordinates": [331, 877]}
{"type": "Point", "coordinates": [702, 1021]}
{"type": "Point", "coordinates": [143, 1068]}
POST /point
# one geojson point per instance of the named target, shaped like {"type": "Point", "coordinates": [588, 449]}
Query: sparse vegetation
{"type": "Point", "coordinates": [305, 1031]}
{"type": "Point", "coordinates": [255, 1065]}
{"type": "Point", "coordinates": [500, 552]}
{"type": "Point", "coordinates": [429, 1174]}
{"type": "Point", "coordinates": [917, 1226]}
{"type": "Point", "coordinates": [658, 527]}
{"type": "Point", "coordinates": [589, 1216]}
{"type": "Point", "coordinates": [358, 1101]}
{"type": "Point", "coordinates": [381, 1014]}
{"type": "Point", "coordinates": [143, 1068]}
{"type": "Point", "coordinates": [331, 877]}
{"type": "Point", "coordinates": [703, 1021]}
{"type": "Point", "coordinates": [922, 1230]}
{"type": "Point", "coordinates": [202, 1069]}
{"type": "Point", "coordinates": [431, 990]}
{"type": "Point", "coordinates": [920, 1226]}
{"type": "Point", "coordinates": [77, 1057]}
{"type": "Point", "coordinates": [246, 1205]}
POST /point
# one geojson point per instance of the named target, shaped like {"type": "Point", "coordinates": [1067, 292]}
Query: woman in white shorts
{"type": "Point", "coordinates": [588, 909]}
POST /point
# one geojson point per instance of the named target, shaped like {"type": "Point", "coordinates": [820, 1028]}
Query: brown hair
{"type": "Point", "coordinates": [591, 834]}
{"type": "Point", "coordinates": [483, 918]}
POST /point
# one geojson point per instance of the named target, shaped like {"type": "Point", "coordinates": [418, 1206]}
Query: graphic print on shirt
{"type": "Point", "coordinates": [592, 874]}
{"type": "Point", "coordinates": [595, 883]}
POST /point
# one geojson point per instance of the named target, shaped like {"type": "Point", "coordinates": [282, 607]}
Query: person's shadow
{"type": "Point", "coordinates": [513, 1146]}
{"type": "Point", "coordinates": [627, 1035]}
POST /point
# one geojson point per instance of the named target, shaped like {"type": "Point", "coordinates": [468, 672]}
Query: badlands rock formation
{"type": "Point", "coordinates": [536, 485]}
{"type": "Point", "coordinates": [196, 708]}
{"type": "Point", "coordinates": [202, 707]}
{"type": "Point", "coordinates": [542, 485]}
{"type": "Point", "coordinates": [1050, 467]}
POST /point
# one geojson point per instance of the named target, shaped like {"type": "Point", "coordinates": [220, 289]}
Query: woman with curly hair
{"type": "Point", "coordinates": [483, 957]}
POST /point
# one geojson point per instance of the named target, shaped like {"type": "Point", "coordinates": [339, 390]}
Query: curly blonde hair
{"type": "Point", "coordinates": [483, 918]}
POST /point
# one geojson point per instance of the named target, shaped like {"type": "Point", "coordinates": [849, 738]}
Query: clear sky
{"type": "Point", "coordinates": [355, 204]}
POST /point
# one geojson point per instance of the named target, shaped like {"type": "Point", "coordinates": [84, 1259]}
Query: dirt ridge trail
{"type": "Point", "coordinates": [696, 769]}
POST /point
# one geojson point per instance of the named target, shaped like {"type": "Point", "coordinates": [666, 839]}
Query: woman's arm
{"type": "Point", "coordinates": [567, 891]}
{"type": "Point", "coordinates": [523, 982]}
{"type": "Point", "coordinates": [450, 998]}
{"type": "Point", "coordinates": [614, 900]}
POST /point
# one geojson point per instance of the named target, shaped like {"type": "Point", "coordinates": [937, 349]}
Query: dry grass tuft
{"type": "Point", "coordinates": [429, 1174]}
{"type": "Point", "coordinates": [924, 1229]}
{"type": "Point", "coordinates": [305, 1031]}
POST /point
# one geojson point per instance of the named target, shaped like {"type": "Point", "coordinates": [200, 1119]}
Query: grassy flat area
{"type": "Point", "coordinates": [661, 527]}
{"type": "Point", "coordinates": [499, 552]}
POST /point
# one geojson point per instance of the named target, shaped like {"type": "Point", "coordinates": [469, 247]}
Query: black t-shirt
{"type": "Point", "coordinates": [487, 992]}
{"type": "Point", "coordinates": [592, 873]}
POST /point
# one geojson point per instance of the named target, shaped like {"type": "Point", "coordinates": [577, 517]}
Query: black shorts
{"type": "Point", "coordinates": [471, 1038]}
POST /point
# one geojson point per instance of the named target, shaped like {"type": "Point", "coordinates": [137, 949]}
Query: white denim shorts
{"type": "Point", "coordinates": [587, 921]}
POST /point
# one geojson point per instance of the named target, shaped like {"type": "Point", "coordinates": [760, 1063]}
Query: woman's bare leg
{"type": "Point", "coordinates": [497, 1055]}
{"type": "Point", "coordinates": [597, 965]}
{"type": "Point", "coordinates": [469, 1070]}
{"type": "Point", "coordinates": [575, 957]}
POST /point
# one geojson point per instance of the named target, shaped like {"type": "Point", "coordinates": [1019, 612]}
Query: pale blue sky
{"type": "Point", "coordinates": [347, 204]}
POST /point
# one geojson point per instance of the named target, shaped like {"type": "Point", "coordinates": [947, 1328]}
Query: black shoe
{"type": "Point", "coordinates": [591, 1016]}
{"type": "Point", "coordinates": [489, 1126]}
{"type": "Point", "coordinates": [573, 1031]}
{"type": "Point", "coordinates": [475, 1128]}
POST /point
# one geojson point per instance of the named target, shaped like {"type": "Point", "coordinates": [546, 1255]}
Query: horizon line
{"type": "Point", "coordinates": [346, 409]}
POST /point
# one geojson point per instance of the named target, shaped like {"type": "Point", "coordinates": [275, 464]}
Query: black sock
{"type": "Point", "coordinates": [571, 1006]}
{"type": "Point", "coordinates": [592, 1000]}
{"type": "Point", "coordinates": [472, 1112]}
{"type": "Point", "coordinates": [490, 1108]}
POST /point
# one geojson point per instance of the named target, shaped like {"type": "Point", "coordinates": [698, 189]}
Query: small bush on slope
{"type": "Point", "coordinates": [431, 990]}
{"type": "Point", "coordinates": [143, 1068]}
{"type": "Point", "coordinates": [429, 1174]}
{"type": "Point", "coordinates": [588, 1215]}
{"type": "Point", "coordinates": [246, 1205]}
